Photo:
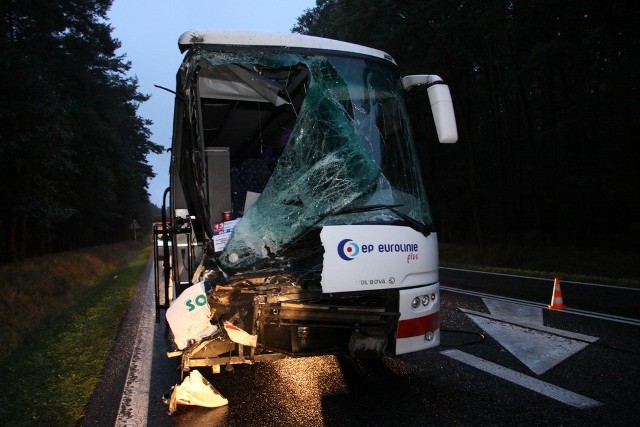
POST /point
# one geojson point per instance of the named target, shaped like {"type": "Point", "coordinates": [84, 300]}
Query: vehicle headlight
{"type": "Point", "coordinates": [416, 302]}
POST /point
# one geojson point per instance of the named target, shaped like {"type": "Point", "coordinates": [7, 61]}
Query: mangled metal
{"type": "Point", "coordinates": [348, 159]}
{"type": "Point", "coordinates": [297, 193]}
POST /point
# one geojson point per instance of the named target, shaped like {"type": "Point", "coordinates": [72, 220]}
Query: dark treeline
{"type": "Point", "coordinates": [73, 169]}
{"type": "Point", "coordinates": [547, 104]}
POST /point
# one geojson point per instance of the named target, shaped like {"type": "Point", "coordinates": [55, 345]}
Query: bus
{"type": "Point", "coordinates": [298, 218]}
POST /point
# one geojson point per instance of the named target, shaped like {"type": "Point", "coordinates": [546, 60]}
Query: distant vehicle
{"type": "Point", "coordinates": [159, 235]}
{"type": "Point", "coordinates": [298, 217]}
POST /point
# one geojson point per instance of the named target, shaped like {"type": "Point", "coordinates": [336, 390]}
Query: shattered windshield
{"type": "Point", "coordinates": [349, 154]}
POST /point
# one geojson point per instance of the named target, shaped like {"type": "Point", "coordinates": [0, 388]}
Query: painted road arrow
{"type": "Point", "coordinates": [519, 329]}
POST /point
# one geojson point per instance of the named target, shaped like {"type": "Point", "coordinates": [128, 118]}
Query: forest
{"type": "Point", "coordinates": [546, 98]}
{"type": "Point", "coordinates": [547, 104]}
{"type": "Point", "coordinates": [73, 149]}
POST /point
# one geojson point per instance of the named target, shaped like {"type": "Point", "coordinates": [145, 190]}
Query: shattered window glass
{"type": "Point", "coordinates": [350, 157]}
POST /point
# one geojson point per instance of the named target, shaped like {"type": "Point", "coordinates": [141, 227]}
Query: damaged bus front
{"type": "Point", "coordinates": [299, 218]}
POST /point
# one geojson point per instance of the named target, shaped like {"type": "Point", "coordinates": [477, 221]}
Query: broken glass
{"type": "Point", "coordinates": [351, 147]}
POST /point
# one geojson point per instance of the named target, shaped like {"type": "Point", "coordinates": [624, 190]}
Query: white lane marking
{"type": "Point", "coordinates": [519, 329]}
{"type": "Point", "coordinates": [519, 314]}
{"type": "Point", "coordinates": [528, 316]}
{"type": "Point", "coordinates": [592, 314]}
{"type": "Point", "coordinates": [539, 351]}
{"type": "Point", "coordinates": [538, 327]}
{"type": "Point", "coordinates": [554, 392]}
{"type": "Point", "coordinates": [134, 405]}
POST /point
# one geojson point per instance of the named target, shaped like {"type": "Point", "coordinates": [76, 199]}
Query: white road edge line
{"type": "Point", "coordinates": [609, 317]}
{"type": "Point", "coordinates": [536, 327]}
{"type": "Point", "coordinates": [554, 392]}
{"type": "Point", "coordinates": [134, 405]}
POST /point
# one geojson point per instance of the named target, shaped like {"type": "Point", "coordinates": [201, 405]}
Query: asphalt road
{"type": "Point", "coordinates": [615, 300]}
{"type": "Point", "coordinates": [476, 377]}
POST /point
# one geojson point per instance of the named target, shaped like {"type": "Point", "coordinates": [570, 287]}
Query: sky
{"type": "Point", "coordinates": [148, 31]}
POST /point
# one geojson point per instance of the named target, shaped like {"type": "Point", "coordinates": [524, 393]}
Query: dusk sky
{"type": "Point", "coordinates": [149, 31]}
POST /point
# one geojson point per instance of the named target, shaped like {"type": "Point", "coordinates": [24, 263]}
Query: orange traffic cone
{"type": "Point", "coordinates": [556, 298]}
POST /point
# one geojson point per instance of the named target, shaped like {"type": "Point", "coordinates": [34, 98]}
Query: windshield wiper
{"type": "Point", "coordinates": [416, 225]}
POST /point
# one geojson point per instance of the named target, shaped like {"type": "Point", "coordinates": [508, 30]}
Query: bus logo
{"type": "Point", "coordinates": [348, 249]}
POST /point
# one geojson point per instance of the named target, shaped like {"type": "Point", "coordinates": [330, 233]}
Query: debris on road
{"type": "Point", "coordinates": [189, 316]}
{"type": "Point", "coordinates": [195, 390]}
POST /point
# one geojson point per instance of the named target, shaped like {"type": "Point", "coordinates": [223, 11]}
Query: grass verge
{"type": "Point", "coordinates": [585, 265]}
{"type": "Point", "coordinates": [49, 379]}
{"type": "Point", "coordinates": [42, 288]}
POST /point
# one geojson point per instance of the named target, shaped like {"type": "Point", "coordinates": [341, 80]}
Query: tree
{"type": "Point", "coordinates": [72, 147]}
{"type": "Point", "coordinates": [546, 96]}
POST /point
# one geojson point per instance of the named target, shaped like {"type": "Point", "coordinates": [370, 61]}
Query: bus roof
{"type": "Point", "coordinates": [217, 37]}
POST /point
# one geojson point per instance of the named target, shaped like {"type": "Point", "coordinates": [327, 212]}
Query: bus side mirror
{"type": "Point", "coordinates": [441, 104]}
